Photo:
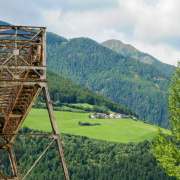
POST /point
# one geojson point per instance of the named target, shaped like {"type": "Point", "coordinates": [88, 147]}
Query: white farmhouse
{"type": "Point", "coordinates": [118, 116]}
{"type": "Point", "coordinates": [112, 115]}
{"type": "Point", "coordinates": [93, 115]}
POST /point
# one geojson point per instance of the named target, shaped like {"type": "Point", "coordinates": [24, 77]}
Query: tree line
{"type": "Point", "coordinates": [65, 91]}
{"type": "Point", "coordinates": [87, 159]}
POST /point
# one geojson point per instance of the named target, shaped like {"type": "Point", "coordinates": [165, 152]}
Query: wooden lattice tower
{"type": "Point", "coordinates": [22, 77]}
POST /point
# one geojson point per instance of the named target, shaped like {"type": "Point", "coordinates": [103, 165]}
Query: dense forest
{"type": "Point", "coordinates": [87, 159]}
{"type": "Point", "coordinates": [62, 90]}
{"type": "Point", "coordinates": [138, 86]}
{"type": "Point", "coordinates": [128, 50]}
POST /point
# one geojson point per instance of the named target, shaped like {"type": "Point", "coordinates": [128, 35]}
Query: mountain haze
{"type": "Point", "coordinates": [128, 50]}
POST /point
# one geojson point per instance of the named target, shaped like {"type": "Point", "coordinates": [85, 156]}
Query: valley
{"type": "Point", "coordinates": [114, 130]}
{"type": "Point", "coordinates": [123, 79]}
{"type": "Point", "coordinates": [85, 78]}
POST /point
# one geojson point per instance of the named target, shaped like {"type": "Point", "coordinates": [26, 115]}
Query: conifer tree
{"type": "Point", "coordinates": [167, 149]}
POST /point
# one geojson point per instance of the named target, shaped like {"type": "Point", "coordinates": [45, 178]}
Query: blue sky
{"type": "Point", "coordinates": [151, 26]}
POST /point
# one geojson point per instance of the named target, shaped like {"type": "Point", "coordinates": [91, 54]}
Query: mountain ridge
{"type": "Point", "coordinates": [128, 50]}
{"type": "Point", "coordinates": [65, 91]}
{"type": "Point", "coordinates": [138, 86]}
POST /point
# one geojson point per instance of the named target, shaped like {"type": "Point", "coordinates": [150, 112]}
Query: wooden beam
{"type": "Point", "coordinates": [13, 162]}
{"type": "Point", "coordinates": [3, 175]}
{"type": "Point", "coordinates": [3, 156]}
{"type": "Point", "coordinates": [7, 121]}
{"type": "Point", "coordinates": [55, 129]}
{"type": "Point", "coordinates": [27, 111]}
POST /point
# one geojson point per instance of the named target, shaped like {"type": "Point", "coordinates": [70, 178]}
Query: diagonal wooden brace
{"type": "Point", "coordinates": [7, 120]}
{"type": "Point", "coordinates": [3, 156]}
{"type": "Point", "coordinates": [3, 175]}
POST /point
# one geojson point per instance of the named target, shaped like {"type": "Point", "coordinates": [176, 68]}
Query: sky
{"type": "Point", "coordinates": [151, 26]}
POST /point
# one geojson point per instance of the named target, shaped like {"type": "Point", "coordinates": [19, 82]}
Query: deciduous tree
{"type": "Point", "coordinates": [167, 149]}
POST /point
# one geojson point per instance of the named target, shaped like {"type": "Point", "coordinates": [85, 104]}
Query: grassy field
{"type": "Point", "coordinates": [89, 105]}
{"type": "Point", "coordinates": [117, 130]}
{"type": "Point", "coordinates": [84, 105]}
{"type": "Point", "coordinates": [65, 108]}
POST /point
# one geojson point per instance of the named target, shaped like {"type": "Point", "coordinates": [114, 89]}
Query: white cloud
{"type": "Point", "coordinates": [132, 17]}
{"type": "Point", "coordinates": [153, 22]}
{"type": "Point", "coordinates": [162, 52]}
{"type": "Point", "coordinates": [152, 25]}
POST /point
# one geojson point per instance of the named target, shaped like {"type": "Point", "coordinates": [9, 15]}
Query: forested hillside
{"type": "Point", "coordinates": [138, 86]}
{"type": "Point", "coordinates": [128, 50]}
{"type": "Point", "coordinates": [63, 90]}
{"type": "Point", "coordinates": [132, 84]}
{"type": "Point", "coordinates": [87, 159]}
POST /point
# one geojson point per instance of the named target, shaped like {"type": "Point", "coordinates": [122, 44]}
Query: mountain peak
{"type": "Point", "coordinates": [117, 44]}
{"type": "Point", "coordinates": [129, 50]}
{"type": "Point", "coordinates": [113, 40]}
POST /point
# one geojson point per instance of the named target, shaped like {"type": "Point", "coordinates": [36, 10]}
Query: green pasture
{"type": "Point", "coordinates": [65, 108]}
{"type": "Point", "coordinates": [83, 105]}
{"type": "Point", "coordinates": [117, 130]}
{"type": "Point", "coordinates": [88, 105]}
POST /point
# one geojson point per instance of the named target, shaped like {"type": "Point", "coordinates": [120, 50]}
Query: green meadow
{"type": "Point", "coordinates": [83, 104]}
{"type": "Point", "coordinates": [115, 130]}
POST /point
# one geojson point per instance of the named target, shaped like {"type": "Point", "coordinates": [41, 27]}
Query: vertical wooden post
{"type": "Point", "coordinates": [12, 159]}
{"type": "Point", "coordinates": [55, 130]}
